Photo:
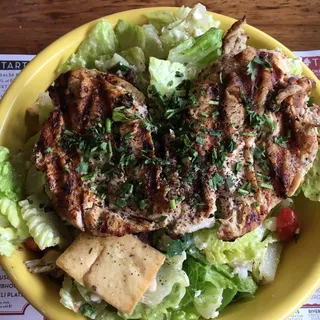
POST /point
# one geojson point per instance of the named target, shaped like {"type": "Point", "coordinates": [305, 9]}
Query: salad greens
{"type": "Point", "coordinates": [199, 51]}
{"type": "Point", "coordinates": [202, 274]}
{"type": "Point", "coordinates": [101, 42]}
{"type": "Point", "coordinates": [311, 186]}
{"type": "Point", "coordinates": [21, 218]}
{"type": "Point", "coordinates": [165, 76]}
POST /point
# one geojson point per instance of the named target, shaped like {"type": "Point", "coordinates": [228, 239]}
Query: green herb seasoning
{"type": "Point", "coordinates": [108, 125]}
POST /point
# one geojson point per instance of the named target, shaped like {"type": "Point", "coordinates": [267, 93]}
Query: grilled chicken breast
{"type": "Point", "coordinates": [108, 182]}
{"type": "Point", "coordinates": [264, 113]}
{"type": "Point", "coordinates": [243, 144]}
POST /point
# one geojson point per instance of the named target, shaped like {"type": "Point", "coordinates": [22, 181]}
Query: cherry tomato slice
{"type": "Point", "coordinates": [287, 224]}
{"type": "Point", "coordinates": [31, 245]}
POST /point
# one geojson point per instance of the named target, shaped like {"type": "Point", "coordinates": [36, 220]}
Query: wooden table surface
{"type": "Point", "coordinates": [28, 26]}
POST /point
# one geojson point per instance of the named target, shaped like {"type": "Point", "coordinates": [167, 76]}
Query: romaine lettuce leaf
{"type": "Point", "coordinates": [295, 66]}
{"type": "Point", "coordinates": [9, 186]}
{"type": "Point", "coordinates": [11, 210]}
{"type": "Point", "coordinates": [35, 181]}
{"type": "Point", "coordinates": [165, 76]}
{"type": "Point", "coordinates": [196, 23]}
{"type": "Point", "coordinates": [264, 269]}
{"type": "Point", "coordinates": [8, 241]}
{"type": "Point", "coordinates": [135, 57]}
{"type": "Point", "coordinates": [105, 65]}
{"type": "Point", "coordinates": [170, 289]}
{"type": "Point", "coordinates": [246, 248]}
{"type": "Point", "coordinates": [44, 227]}
{"type": "Point", "coordinates": [153, 47]}
{"type": "Point", "coordinates": [101, 42]}
{"type": "Point", "coordinates": [200, 51]}
{"type": "Point", "coordinates": [171, 283]}
{"type": "Point", "coordinates": [212, 287]}
{"type": "Point", "coordinates": [45, 106]}
{"type": "Point", "coordinates": [11, 220]}
{"type": "Point", "coordinates": [311, 185]}
{"type": "Point", "coordinates": [129, 35]}
{"type": "Point", "coordinates": [160, 19]}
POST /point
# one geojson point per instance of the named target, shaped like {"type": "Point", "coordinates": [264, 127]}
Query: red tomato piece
{"type": "Point", "coordinates": [31, 245]}
{"type": "Point", "coordinates": [287, 224]}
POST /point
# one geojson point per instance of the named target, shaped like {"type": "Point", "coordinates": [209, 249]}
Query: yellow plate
{"type": "Point", "coordinates": [299, 270]}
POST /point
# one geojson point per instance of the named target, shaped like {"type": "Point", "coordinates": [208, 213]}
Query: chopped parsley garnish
{"type": "Point", "coordinates": [229, 182]}
{"type": "Point", "coordinates": [142, 204]}
{"type": "Point", "coordinates": [170, 83]}
{"type": "Point", "coordinates": [231, 145]}
{"type": "Point", "coordinates": [218, 158]}
{"type": "Point", "coordinates": [266, 185]}
{"type": "Point", "coordinates": [252, 66]}
{"type": "Point", "coordinates": [216, 181]}
{"type": "Point", "coordinates": [215, 114]}
{"type": "Point", "coordinates": [48, 150]}
{"type": "Point", "coordinates": [214, 102]}
{"type": "Point", "coordinates": [256, 204]}
{"type": "Point", "coordinates": [246, 188]}
{"type": "Point", "coordinates": [311, 102]}
{"type": "Point", "coordinates": [108, 125]}
{"type": "Point", "coordinates": [243, 191]}
{"type": "Point", "coordinates": [199, 140]}
{"type": "Point", "coordinates": [237, 168]}
{"type": "Point", "coordinates": [163, 218]}
{"type": "Point", "coordinates": [172, 204]}
{"type": "Point", "coordinates": [118, 115]}
{"type": "Point", "coordinates": [176, 247]}
{"type": "Point", "coordinates": [205, 115]}
{"type": "Point", "coordinates": [215, 133]}
{"type": "Point", "coordinates": [248, 134]}
{"type": "Point", "coordinates": [127, 136]}
{"type": "Point", "coordinates": [179, 74]}
{"type": "Point", "coordinates": [281, 141]}
{"type": "Point", "coordinates": [259, 152]}
{"type": "Point", "coordinates": [127, 160]}
{"type": "Point", "coordinates": [121, 202]}
{"type": "Point", "coordinates": [83, 167]}
{"type": "Point", "coordinates": [262, 176]}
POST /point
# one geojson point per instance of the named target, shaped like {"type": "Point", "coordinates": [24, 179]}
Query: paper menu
{"type": "Point", "coordinates": [12, 304]}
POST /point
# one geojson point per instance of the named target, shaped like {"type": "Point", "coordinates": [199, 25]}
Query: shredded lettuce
{"type": "Point", "coordinates": [200, 51]}
{"type": "Point", "coordinates": [101, 42]}
{"type": "Point", "coordinates": [165, 76]}
{"type": "Point", "coordinates": [311, 185]}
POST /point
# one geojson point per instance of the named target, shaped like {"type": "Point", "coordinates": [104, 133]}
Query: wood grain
{"type": "Point", "coordinates": [29, 26]}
